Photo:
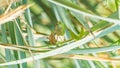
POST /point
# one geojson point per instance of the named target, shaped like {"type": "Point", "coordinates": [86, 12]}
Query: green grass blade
{"type": "Point", "coordinates": [66, 4]}
{"type": "Point", "coordinates": [67, 47]}
{"type": "Point", "coordinates": [7, 51]}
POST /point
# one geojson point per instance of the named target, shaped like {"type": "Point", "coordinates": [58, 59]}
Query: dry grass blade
{"type": "Point", "coordinates": [12, 48]}
{"type": "Point", "coordinates": [93, 58]}
{"type": "Point", "coordinates": [86, 57]}
{"type": "Point", "coordinates": [22, 48]}
{"type": "Point", "coordinates": [8, 8]}
{"type": "Point", "coordinates": [13, 14]}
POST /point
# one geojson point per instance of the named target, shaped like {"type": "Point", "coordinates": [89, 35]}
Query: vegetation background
{"type": "Point", "coordinates": [59, 34]}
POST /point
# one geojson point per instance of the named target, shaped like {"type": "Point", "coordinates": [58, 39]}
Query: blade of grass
{"type": "Point", "coordinates": [11, 32]}
{"type": "Point", "coordinates": [64, 18]}
{"type": "Point", "coordinates": [68, 5]}
{"type": "Point", "coordinates": [94, 50]}
{"type": "Point", "coordinates": [19, 41]}
{"type": "Point", "coordinates": [93, 58]}
{"type": "Point", "coordinates": [67, 47]}
{"type": "Point", "coordinates": [31, 40]}
{"type": "Point", "coordinates": [4, 39]}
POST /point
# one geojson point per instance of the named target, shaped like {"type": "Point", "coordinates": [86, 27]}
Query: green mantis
{"type": "Point", "coordinates": [57, 33]}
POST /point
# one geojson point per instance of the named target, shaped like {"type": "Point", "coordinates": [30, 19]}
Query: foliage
{"type": "Point", "coordinates": [59, 33]}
